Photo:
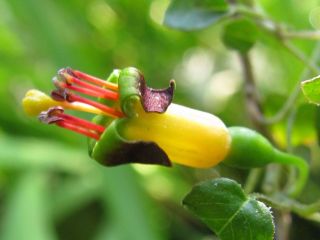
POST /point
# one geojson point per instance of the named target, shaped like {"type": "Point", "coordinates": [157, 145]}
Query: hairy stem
{"type": "Point", "coordinates": [284, 203]}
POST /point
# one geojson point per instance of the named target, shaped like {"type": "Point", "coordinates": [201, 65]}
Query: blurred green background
{"type": "Point", "coordinates": [50, 188]}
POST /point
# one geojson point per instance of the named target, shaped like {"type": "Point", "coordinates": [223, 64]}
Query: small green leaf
{"type": "Point", "coordinates": [240, 34]}
{"type": "Point", "coordinates": [194, 14]}
{"type": "Point", "coordinates": [224, 207]}
{"type": "Point", "coordinates": [311, 89]}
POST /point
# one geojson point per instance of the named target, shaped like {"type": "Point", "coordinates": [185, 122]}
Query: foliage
{"type": "Point", "coordinates": [224, 207]}
{"type": "Point", "coordinates": [310, 89]}
{"type": "Point", "coordinates": [51, 189]}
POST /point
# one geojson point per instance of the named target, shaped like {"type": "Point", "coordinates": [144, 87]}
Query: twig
{"type": "Point", "coordinates": [252, 179]}
{"type": "Point", "coordinates": [300, 56]}
{"type": "Point", "coordinates": [303, 34]}
{"type": "Point", "coordinates": [252, 100]}
{"type": "Point", "coordinates": [283, 203]}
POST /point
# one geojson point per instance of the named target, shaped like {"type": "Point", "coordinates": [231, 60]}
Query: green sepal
{"type": "Point", "coordinates": [129, 81]}
{"type": "Point", "coordinates": [102, 119]}
{"type": "Point", "coordinates": [114, 76]}
{"type": "Point", "coordinates": [112, 149]}
{"type": "Point", "coordinates": [132, 88]}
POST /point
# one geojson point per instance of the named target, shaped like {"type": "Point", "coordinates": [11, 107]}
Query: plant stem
{"type": "Point", "coordinates": [304, 34]}
{"type": "Point", "coordinates": [252, 100]}
{"type": "Point", "coordinates": [282, 35]}
{"type": "Point", "coordinates": [284, 221]}
{"type": "Point", "coordinates": [270, 184]}
{"type": "Point", "coordinates": [252, 180]}
{"type": "Point", "coordinates": [300, 56]}
{"type": "Point", "coordinates": [285, 158]}
{"type": "Point", "coordinates": [287, 106]}
{"type": "Point", "coordinates": [283, 203]}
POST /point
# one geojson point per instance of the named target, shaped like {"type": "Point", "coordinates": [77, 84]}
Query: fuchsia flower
{"type": "Point", "coordinates": [133, 123]}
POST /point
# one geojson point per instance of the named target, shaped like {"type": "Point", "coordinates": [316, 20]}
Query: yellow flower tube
{"type": "Point", "coordinates": [188, 136]}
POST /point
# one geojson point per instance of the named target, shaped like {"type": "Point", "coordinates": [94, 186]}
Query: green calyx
{"type": "Point", "coordinates": [129, 82]}
{"type": "Point", "coordinates": [249, 149]}
{"type": "Point", "coordinates": [112, 149]}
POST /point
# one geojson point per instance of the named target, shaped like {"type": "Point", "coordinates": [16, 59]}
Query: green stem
{"type": "Point", "coordinates": [285, 158]}
{"type": "Point", "coordinates": [284, 203]}
{"type": "Point", "coordinates": [271, 179]}
{"type": "Point", "coordinates": [277, 30]}
{"type": "Point", "coordinates": [306, 210]}
{"type": "Point", "coordinates": [300, 56]}
{"type": "Point", "coordinates": [305, 34]}
{"type": "Point", "coordinates": [287, 106]}
{"type": "Point", "coordinates": [249, 3]}
{"type": "Point", "coordinates": [252, 100]}
{"type": "Point", "coordinates": [252, 179]}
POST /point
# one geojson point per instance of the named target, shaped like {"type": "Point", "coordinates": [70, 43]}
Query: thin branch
{"type": "Point", "coordinates": [283, 203]}
{"type": "Point", "coordinates": [300, 56]}
{"type": "Point", "coordinates": [282, 34]}
{"type": "Point", "coordinates": [287, 106]}
{"type": "Point", "coordinates": [252, 179]}
{"type": "Point", "coordinates": [252, 100]}
{"type": "Point", "coordinates": [303, 34]}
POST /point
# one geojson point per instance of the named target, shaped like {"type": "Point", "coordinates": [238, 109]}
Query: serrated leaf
{"type": "Point", "coordinates": [224, 207]}
{"type": "Point", "coordinates": [311, 89]}
{"type": "Point", "coordinates": [240, 34]}
{"type": "Point", "coordinates": [194, 14]}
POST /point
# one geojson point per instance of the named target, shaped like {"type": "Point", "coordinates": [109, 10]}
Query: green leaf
{"type": "Point", "coordinates": [240, 34]}
{"type": "Point", "coordinates": [194, 14]}
{"type": "Point", "coordinates": [311, 89]}
{"type": "Point", "coordinates": [133, 216]}
{"type": "Point", "coordinates": [26, 214]}
{"type": "Point", "coordinates": [224, 207]}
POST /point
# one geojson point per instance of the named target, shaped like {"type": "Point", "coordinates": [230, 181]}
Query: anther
{"type": "Point", "coordinates": [56, 115]}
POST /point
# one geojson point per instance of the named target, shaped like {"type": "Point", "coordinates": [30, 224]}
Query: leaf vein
{"type": "Point", "coordinates": [233, 216]}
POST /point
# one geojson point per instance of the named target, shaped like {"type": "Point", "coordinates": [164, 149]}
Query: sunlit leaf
{"type": "Point", "coordinates": [224, 207]}
{"type": "Point", "coordinates": [311, 89]}
{"type": "Point", "coordinates": [194, 14]}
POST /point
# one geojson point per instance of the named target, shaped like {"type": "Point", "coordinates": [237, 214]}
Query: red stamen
{"type": "Point", "coordinates": [104, 92]}
{"type": "Point", "coordinates": [110, 111]}
{"type": "Point", "coordinates": [84, 91]}
{"type": "Point", "coordinates": [78, 129]}
{"type": "Point", "coordinates": [95, 80]}
{"type": "Point", "coordinates": [81, 122]}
